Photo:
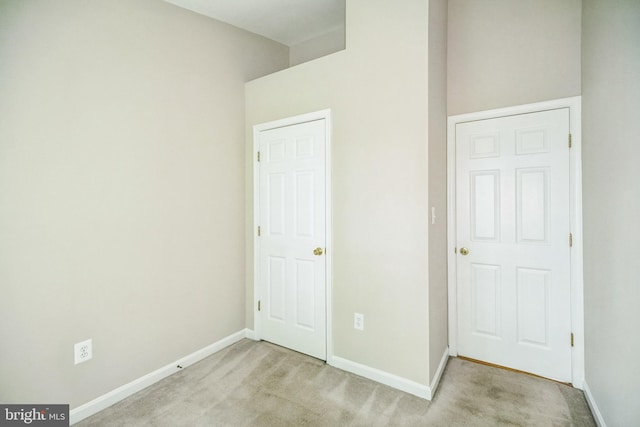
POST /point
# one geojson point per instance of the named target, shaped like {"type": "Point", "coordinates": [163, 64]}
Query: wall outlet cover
{"type": "Point", "coordinates": [82, 351]}
{"type": "Point", "coordinates": [358, 321]}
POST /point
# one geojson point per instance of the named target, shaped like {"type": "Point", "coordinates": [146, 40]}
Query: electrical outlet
{"type": "Point", "coordinates": [358, 321]}
{"type": "Point", "coordinates": [82, 351]}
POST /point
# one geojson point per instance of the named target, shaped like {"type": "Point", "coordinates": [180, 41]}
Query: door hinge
{"type": "Point", "coordinates": [571, 339]}
{"type": "Point", "coordinates": [258, 231]}
{"type": "Point", "coordinates": [570, 240]}
{"type": "Point", "coordinates": [258, 305]}
{"type": "Point", "coordinates": [569, 140]}
{"type": "Point", "coordinates": [258, 156]}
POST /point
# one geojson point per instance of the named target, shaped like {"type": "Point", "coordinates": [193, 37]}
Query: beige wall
{"type": "Point", "coordinates": [377, 91]}
{"type": "Point", "coordinates": [438, 338]}
{"type": "Point", "coordinates": [317, 47]}
{"type": "Point", "coordinates": [611, 102]}
{"type": "Point", "coordinates": [121, 189]}
{"type": "Point", "coordinates": [506, 52]}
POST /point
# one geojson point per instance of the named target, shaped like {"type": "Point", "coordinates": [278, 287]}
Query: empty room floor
{"type": "Point", "coordinates": [260, 384]}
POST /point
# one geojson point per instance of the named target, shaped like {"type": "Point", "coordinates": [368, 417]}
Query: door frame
{"type": "Point", "coordinates": [289, 121]}
{"type": "Point", "coordinates": [575, 203]}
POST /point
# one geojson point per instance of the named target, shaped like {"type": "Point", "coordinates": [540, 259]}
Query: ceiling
{"type": "Point", "coordinates": [289, 22]}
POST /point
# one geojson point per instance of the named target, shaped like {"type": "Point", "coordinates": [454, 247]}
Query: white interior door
{"type": "Point", "coordinates": [513, 226]}
{"type": "Point", "coordinates": [292, 267]}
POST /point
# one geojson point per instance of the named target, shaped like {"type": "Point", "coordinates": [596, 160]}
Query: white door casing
{"type": "Point", "coordinates": [516, 298]}
{"type": "Point", "coordinates": [291, 260]}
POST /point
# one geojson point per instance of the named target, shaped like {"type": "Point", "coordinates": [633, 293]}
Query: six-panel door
{"type": "Point", "coordinates": [292, 222]}
{"type": "Point", "coordinates": [512, 196]}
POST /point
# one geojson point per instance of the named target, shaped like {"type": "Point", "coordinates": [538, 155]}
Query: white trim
{"type": "Point", "coordinates": [114, 396]}
{"type": "Point", "coordinates": [436, 379]}
{"type": "Point", "coordinates": [452, 283]}
{"type": "Point", "coordinates": [577, 299]}
{"type": "Point", "coordinates": [597, 415]}
{"type": "Point", "coordinates": [289, 121]}
{"type": "Point", "coordinates": [383, 377]}
{"type": "Point", "coordinates": [98, 404]}
{"type": "Point", "coordinates": [577, 308]}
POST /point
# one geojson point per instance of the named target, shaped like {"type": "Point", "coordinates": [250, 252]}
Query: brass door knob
{"type": "Point", "coordinates": [464, 251]}
{"type": "Point", "coordinates": [317, 251]}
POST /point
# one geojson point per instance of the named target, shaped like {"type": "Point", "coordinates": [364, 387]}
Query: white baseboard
{"type": "Point", "coordinates": [250, 334]}
{"type": "Point", "coordinates": [382, 377]}
{"type": "Point", "coordinates": [96, 405]}
{"type": "Point", "coordinates": [436, 379]}
{"type": "Point", "coordinates": [592, 404]}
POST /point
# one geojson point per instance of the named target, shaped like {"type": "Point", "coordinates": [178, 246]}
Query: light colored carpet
{"type": "Point", "coordinates": [260, 384]}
